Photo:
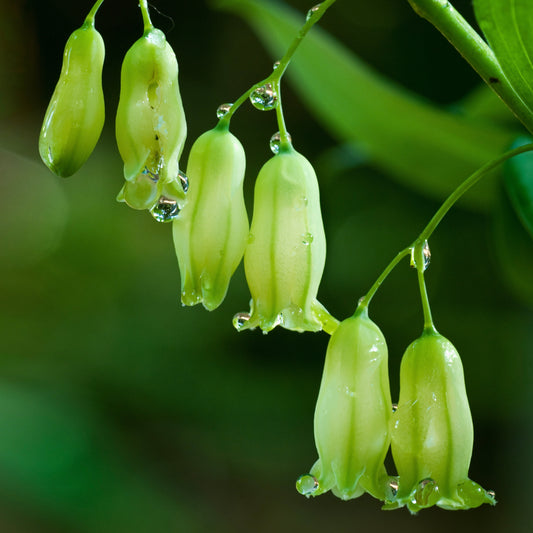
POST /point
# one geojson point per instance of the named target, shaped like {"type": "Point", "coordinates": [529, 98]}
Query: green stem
{"type": "Point", "coordinates": [146, 16]}
{"type": "Point", "coordinates": [309, 23]}
{"type": "Point", "coordinates": [418, 245]}
{"type": "Point", "coordinates": [420, 265]}
{"type": "Point", "coordinates": [365, 300]}
{"type": "Point", "coordinates": [285, 142]}
{"type": "Point", "coordinates": [473, 48]}
{"type": "Point", "coordinates": [283, 63]}
{"type": "Point", "coordinates": [90, 17]}
{"type": "Point", "coordinates": [465, 186]}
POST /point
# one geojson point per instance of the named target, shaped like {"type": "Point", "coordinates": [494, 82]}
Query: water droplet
{"type": "Point", "coordinates": [275, 142]}
{"type": "Point", "coordinates": [240, 319]}
{"type": "Point", "coordinates": [307, 484]}
{"type": "Point", "coordinates": [184, 180]}
{"type": "Point", "coordinates": [394, 407]}
{"type": "Point", "coordinates": [426, 492]}
{"type": "Point", "coordinates": [264, 98]}
{"type": "Point", "coordinates": [392, 488]}
{"type": "Point", "coordinates": [427, 255]}
{"type": "Point", "coordinates": [307, 239]}
{"type": "Point", "coordinates": [301, 203]}
{"type": "Point", "coordinates": [426, 252]}
{"type": "Point", "coordinates": [312, 12]}
{"type": "Point", "coordinates": [223, 109]}
{"type": "Point", "coordinates": [154, 176]}
{"type": "Point", "coordinates": [491, 494]}
{"type": "Point", "coordinates": [276, 65]}
{"type": "Point", "coordinates": [165, 210]}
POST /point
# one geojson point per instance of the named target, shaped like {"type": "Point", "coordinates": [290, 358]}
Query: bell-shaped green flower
{"type": "Point", "coordinates": [286, 250]}
{"type": "Point", "coordinates": [432, 431]}
{"type": "Point", "coordinates": [210, 232]}
{"type": "Point", "coordinates": [352, 416]}
{"type": "Point", "coordinates": [75, 115]}
{"type": "Point", "coordinates": [150, 124]}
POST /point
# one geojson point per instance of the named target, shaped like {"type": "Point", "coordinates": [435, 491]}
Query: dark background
{"type": "Point", "coordinates": [122, 411]}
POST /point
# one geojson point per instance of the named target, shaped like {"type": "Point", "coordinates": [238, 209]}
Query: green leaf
{"type": "Point", "coordinates": [508, 28]}
{"type": "Point", "coordinates": [514, 249]}
{"type": "Point", "coordinates": [483, 104]}
{"type": "Point", "coordinates": [518, 180]}
{"type": "Point", "coordinates": [426, 148]}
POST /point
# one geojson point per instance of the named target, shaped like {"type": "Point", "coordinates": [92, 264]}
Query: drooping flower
{"type": "Point", "coordinates": [352, 414]}
{"type": "Point", "coordinates": [150, 123]}
{"type": "Point", "coordinates": [286, 250]}
{"type": "Point", "coordinates": [432, 433]}
{"type": "Point", "coordinates": [75, 116]}
{"type": "Point", "coordinates": [210, 232]}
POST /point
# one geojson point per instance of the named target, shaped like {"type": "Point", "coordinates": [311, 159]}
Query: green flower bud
{"type": "Point", "coordinates": [286, 250]}
{"type": "Point", "coordinates": [150, 124]}
{"type": "Point", "coordinates": [432, 434]}
{"type": "Point", "coordinates": [353, 413]}
{"type": "Point", "coordinates": [75, 115]}
{"type": "Point", "coordinates": [211, 230]}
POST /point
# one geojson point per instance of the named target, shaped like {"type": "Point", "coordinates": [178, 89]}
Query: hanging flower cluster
{"type": "Point", "coordinates": [150, 121]}
{"type": "Point", "coordinates": [430, 431]}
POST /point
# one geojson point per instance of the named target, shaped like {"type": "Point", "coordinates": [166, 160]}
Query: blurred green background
{"type": "Point", "coordinates": [121, 411]}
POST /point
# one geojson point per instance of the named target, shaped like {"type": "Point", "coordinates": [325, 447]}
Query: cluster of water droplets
{"type": "Point", "coordinates": [307, 485]}
{"type": "Point", "coordinates": [275, 142]}
{"type": "Point", "coordinates": [426, 252]}
{"type": "Point", "coordinates": [264, 98]}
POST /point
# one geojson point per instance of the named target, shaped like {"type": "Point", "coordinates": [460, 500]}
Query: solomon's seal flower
{"type": "Point", "coordinates": [286, 250]}
{"type": "Point", "coordinates": [75, 115]}
{"type": "Point", "coordinates": [352, 414]}
{"type": "Point", "coordinates": [432, 433]}
{"type": "Point", "coordinates": [150, 124]}
{"type": "Point", "coordinates": [210, 232]}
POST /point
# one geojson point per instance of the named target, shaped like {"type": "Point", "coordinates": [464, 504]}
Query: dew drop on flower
{"type": "Point", "coordinates": [165, 210]}
{"type": "Point", "coordinates": [307, 239]}
{"type": "Point", "coordinates": [184, 180]}
{"type": "Point", "coordinates": [154, 176]}
{"type": "Point", "coordinates": [223, 109]}
{"type": "Point", "coordinates": [392, 488]}
{"type": "Point", "coordinates": [275, 142]}
{"type": "Point", "coordinates": [424, 491]}
{"type": "Point", "coordinates": [394, 407]}
{"type": "Point", "coordinates": [240, 319]}
{"type": "Point", "coordinates": [264, 98]}
{"type": "Point", "coordinates": [312, 12]}
{"type": "Point", "coordinates": [307, 484]}
{"type": "Point", "coordinates": [276, 64]}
